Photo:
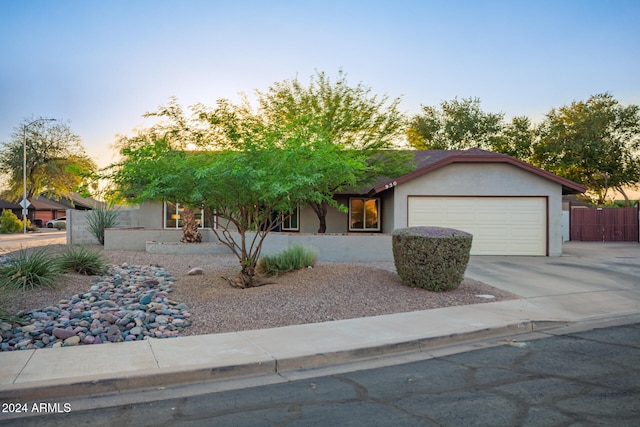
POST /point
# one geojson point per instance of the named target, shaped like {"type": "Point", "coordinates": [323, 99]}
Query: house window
{"type": "Point", "coordinates": [364, 214]}
{"type": "Point", "coordinates": [174, 215]}
{"type": "Point", "coordinates": [291, 222]}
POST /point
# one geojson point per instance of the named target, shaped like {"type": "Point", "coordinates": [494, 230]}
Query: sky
{"type": "Point", "coordinates": [100, 65]}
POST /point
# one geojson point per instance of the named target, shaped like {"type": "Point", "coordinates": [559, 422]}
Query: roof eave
{"type": "Point", "coordinates": [568, 186]}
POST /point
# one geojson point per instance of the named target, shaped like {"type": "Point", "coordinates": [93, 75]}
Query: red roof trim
{"type": "Point", "coordinates": [475, 155]}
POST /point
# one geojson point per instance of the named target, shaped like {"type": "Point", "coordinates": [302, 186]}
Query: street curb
{"type": "Point", "coordinates": [148, 378]}
{"type": "Point", "coordinates": [165, 377]}
{"type": "Point", "coordinates": [320, 360]}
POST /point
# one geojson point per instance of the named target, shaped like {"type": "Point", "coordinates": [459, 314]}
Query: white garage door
{"type": "Point", "coordinates": [500, 225]}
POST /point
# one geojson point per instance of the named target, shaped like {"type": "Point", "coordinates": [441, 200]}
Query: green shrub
{"type": "Point", "coordinates": [100, 219]}
{"type": "Point", "coordinates": [83, 261]}
{"type": "Point", "coordinates": [432, 258]}
{"type": "Point", "coordinates": [60, 225]}
{"type": "Point", "coordinates": [9, 222]}
{"type": "Point", "coordinates": [293, 258]}
{"type": "Point", "coordinates": [25, 271]}
{"type": "Point", "coordinates": [32, 227]}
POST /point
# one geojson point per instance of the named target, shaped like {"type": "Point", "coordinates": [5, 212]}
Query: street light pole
{"type": "Point", "coordinates": [25, 202]}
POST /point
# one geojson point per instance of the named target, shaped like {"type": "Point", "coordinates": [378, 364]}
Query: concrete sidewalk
{"type": "Point", "coordinates": [589, 283]}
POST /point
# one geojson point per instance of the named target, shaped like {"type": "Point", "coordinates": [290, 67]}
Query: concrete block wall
{"type": "Point", "coordinates": [77, 231]}
{"type": "Point", "coordinates": [329, 247]}
{"type": "Point", "coordinates": [128, 235]}
{"type": "Point", "coordinates": [77, 225]}
{"type": "Point", "coordinates": [135, 238]}
{"type": "Point", "coordinates": [334, 247]}
{"type": "Point", "coordinates": [186, 249]}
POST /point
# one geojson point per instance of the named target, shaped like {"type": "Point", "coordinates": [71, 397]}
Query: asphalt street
{"type": "Point", "coordinates": [589, 378]}
{"type": "Point", "coordinates": [17, 241]}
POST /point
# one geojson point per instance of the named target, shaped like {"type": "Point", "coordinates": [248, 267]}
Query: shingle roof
{"type": "Point", "coordinates": [44, 203]}
{"type": "Point", "coordinates": [73, 201]}
{"type": "Point", "coordinates": [5, 204]}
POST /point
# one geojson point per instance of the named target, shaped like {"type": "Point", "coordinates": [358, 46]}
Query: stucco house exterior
{"type": "Point", "coordinates": [510, 206]}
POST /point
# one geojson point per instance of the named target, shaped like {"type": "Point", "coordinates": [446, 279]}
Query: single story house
{"type": "Point", "coordinates": [510, 206]}
{"type": "Point", "coordinates": [43, 208]}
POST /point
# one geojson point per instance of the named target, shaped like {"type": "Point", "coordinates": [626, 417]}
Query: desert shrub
{"type": "Point", "coordinates": [32, 227]}
{"type": "Point", "coordinates": [432, 258]}
{"type": "Point", "coordinates": [9, 222]}
{"type": "Point", "coordinates": [39, 269]}
{"type": "Point", "coordinates": [60, 225]}
{"type": "Point", "coordinates": [100, 219]}
{"type": "Point", "coordinates": [83, 261]}
{"type": "Point", "coordinates": [293, 258]}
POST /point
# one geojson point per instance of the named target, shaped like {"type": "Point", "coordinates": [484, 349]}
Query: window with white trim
{"type": "Point", "coordinates": [364, 214]}
{"type": "Point", "coordinates": [173, 216]}
{"type": "Point", "coordinates": [291, 222]}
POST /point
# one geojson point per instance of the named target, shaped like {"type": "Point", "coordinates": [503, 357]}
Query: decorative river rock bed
{"type": "Point", "coordinates": [131, 303]}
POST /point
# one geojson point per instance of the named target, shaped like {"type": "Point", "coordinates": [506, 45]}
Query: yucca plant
{"type": "Point", "coordinates": [83, 261]}
{"type": "Point", "coordinates": [293, 258]}
{"type": "Point", "coordinates": [39, 269]}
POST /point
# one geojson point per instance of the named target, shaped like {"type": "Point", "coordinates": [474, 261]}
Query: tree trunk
{"type": "Point", "coordinates": [627, 203]}
{"type": "Point", "coordinates": [190, 233]}
{"type": "Point", "coordinates": [321, 211]}
{"type": "Point", "coordinates": [247, 279]}
{"type": "Point", "coordinates": [247, 252]}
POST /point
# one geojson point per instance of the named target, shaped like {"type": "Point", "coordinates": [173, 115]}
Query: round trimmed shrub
{"type": "Point", "coordinates": [432, 258]}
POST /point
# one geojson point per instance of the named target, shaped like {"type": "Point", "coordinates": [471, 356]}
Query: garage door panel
{"type": "Point", "coordinates": [500, 225]}
{"type": "Point", "coordinates": [463, 217]}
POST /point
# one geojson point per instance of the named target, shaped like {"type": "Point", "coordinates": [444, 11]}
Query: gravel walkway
{"type": "Point", "coordinates": [324, 293]}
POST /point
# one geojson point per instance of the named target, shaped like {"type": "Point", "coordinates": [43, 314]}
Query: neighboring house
{"type": "Point", "coordinates": [43, 209]}
{"type": "Point", "coordinates": [510, 206]}
{"type": "Point", "coordinates": [13, 207]}
{"type": "Point", "coordinates": [39, 212]}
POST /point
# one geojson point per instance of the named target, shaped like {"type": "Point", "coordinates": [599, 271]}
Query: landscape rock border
{"type": "Point", "coordinates": [130, 303]}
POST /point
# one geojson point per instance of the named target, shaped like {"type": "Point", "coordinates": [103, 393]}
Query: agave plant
{"type": "Point", "coordinates": [83, 261]}
{"type": "Point", "coordinates": [38, 269]}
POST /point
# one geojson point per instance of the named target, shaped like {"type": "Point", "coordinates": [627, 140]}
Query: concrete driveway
{"type": "Point", "coordinates": [588, 276]}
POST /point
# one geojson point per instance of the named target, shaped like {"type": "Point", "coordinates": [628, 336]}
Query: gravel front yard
{"type": "Point", "coordinates": [326, 292]}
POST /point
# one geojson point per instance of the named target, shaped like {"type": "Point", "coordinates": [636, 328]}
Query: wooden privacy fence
{"type": "Point", "coordinates": [604, 224]}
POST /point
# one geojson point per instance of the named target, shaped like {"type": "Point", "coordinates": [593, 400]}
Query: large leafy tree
{"type": "Point", "coordinates": [357, 130]}
{"type": "Point", "coordinates": [516, 139]}
{"type": "Point", "coordinates": [594, 142]}
{"type": "Point", "coordinates": [458, 124]}
{"type": "Point", "coordinates": [226, 159]}
{"type": "Point", "coordinates": [56, 160]}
